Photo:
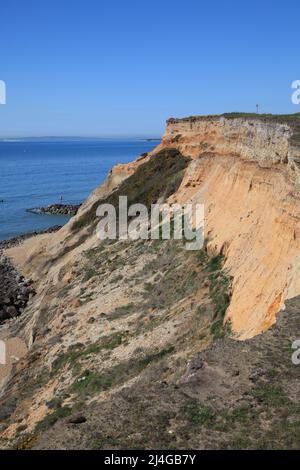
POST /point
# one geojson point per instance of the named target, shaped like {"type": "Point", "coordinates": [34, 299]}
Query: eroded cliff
{"type": "Point", "coordinates": [246, 171]}
{"type": "Point", "coordinates": [115, 321]}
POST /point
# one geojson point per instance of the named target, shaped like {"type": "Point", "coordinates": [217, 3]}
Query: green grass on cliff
{"type": "Point", "coordinates": [159, 177]}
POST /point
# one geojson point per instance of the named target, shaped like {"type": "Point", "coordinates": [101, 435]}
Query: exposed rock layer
{"type": "Point", "coordinates": [246, 172]}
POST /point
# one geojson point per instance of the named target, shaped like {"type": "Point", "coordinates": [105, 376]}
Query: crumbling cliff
{"type": "Point", "coordinates": [246, 171]}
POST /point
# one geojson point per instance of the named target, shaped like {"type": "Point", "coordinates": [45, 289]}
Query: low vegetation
{"type": "Point", "coordinates": [53, 417]}
{"type": "Point", "coordinates": [159, 177]}
{"type": "Point", "coordinates": [91, 382]}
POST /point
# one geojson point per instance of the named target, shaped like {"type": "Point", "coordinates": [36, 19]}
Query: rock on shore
{"type": "Point", "coordinates": [15, 290]}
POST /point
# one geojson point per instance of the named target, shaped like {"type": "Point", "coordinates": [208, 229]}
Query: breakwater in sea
{"type": "Point", "coordinates": [56, 209]}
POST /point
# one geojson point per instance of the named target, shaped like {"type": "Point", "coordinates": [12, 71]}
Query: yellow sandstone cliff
{"type": "Point", "coordinates": [246, 172]}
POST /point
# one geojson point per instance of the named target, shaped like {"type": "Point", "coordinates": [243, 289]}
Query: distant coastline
{"type": "Point", "coordinates": [76, 139]}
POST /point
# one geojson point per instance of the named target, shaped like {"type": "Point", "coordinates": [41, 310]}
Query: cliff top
{"type": "Point", "coordinates": [292, 120]}
{"type": "Point", "coordinates": [272, 117]}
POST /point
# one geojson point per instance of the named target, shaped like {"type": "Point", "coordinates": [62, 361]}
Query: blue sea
{"type": "Point", "coordinates": [37, 172]}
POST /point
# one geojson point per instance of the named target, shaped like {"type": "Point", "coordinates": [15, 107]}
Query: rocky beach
{"type": "Point", "coordinates": [15, 289]}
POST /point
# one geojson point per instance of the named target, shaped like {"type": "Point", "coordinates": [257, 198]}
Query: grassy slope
{"type": "Point", "coordinates": [232, 396]}
{"type": "Point", "coordinates": [160, 176]}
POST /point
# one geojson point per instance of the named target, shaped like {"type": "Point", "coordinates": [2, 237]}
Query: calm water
{"type": "Point", "coordinates": [36, 173]}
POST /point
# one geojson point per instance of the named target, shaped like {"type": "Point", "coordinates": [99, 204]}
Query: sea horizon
{"type": "Point", "coordinates": [59, 138]}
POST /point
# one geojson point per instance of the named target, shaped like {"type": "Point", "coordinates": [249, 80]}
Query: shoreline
{"type": "Point", "coordinates": [15, 289]}
{"type": "Point", "coordinates": [19, 239]}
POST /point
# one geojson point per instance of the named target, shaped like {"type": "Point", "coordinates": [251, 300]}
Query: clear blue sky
{"type": "Point", "coordinates": [98, 67]}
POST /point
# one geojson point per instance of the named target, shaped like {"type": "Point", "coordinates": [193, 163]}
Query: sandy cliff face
{"type": "Point", "coordinates": [246, 172]}
{"type": "Point", "coordinates": [261, 140]}
{"type": "Point", "coordinates": [265, 141]}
